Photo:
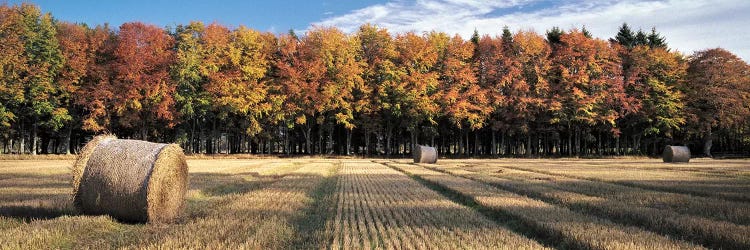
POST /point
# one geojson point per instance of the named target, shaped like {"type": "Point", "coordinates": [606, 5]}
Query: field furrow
{"type": "Point", "coordinates": [732, 188]}
{"type": "Point", "coordinates": [572, 229]}
{"type": "Point", "coordinates": [711, 233]}
{"type": "Point", "coordinates": [708, 207]}
{"type": "Point", "coordinates": [383, 208]}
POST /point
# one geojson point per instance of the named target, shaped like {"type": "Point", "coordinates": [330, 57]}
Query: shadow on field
{"type": "Point", "coordinates": [30, 212]}
{"type": "Point", "coordinates": [213, 184]}
{"type": "Point", "coordinates": [25, 180]}
{"type": "Point", "coordinates": [35, 196]}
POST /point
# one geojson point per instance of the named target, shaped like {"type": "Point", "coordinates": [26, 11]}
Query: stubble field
{"type": "Point", "coordinates": [394, 204]}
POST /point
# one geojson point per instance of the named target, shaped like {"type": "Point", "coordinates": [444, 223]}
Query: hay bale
{"type": "Point", "coordinates": [425, 154]}
{"type": "Point", "coordinates": [130, 180]}
{"type": "Point", "coordinates": [676, 154]}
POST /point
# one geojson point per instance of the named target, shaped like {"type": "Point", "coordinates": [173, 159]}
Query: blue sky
{"type": "Point", "coordinates": [269, 15]}
{"type": "Point", "coordinates": [688, 25]}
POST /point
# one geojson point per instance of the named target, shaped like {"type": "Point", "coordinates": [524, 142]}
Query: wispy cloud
{"type": "Point", "coordinates": [689, 25]}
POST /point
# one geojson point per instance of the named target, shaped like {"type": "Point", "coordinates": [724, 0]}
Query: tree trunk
{"type": "Point", "coordinates": [215, 137]}
{"type": "Point", "coordinates": [493, 145]}
{"type": "Point", "coordinates": [44, 144]}
{"type": "Point", "coordinates": [527, 148]}
{"type": "Point", "coordinates": [502, 143]}
{"type": "Point", "coordinates": [708, 142]}
{"type": "Point", "coordinates": [476, 143]}
{"type": "Point", "coordinates": [617, 145]}
{"type": "Point", "coordinates": [22, 146]}
{"type": "Point", "coordinates": [230, 141]}
{"type": "Point", "coordinates": [348, 141]}
{"type": "Point", "coordinates": [320, 139]}
{"type": "Point", "coordinates": [286, 140]}
{"type": "Point", "coordinates": [415, 141]}
{"type": "Point", "coordinates": [388, 135]}
{"type": "Point", "coordinates": [570, 140]}
{"type": "Point", "coordinates": [207, 137]}
{"type": "Point", "coordinates": [33, 138]}
{"type": "Point", "coordinates": [367, 142]}
{"type": "Point", "coordinates": [306, 133]}
{"type": "Point", "coordinates": [460, 143]}
{"type": "Point", "coordinates": [68, 134]}
{"type": "Point", "coordinates": [329, 139]}
{"type": "Point", "coordinates": [578, 141]}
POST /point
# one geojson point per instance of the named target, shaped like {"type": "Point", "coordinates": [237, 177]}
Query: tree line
{"type": "Point", "coordinates": [213, 89]}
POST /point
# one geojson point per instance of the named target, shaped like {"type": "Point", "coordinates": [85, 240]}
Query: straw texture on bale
{"type": "Point", "coordinates": [676, 154]}
{"type": "Point", "coordinates": [130, 180]}
{"type": "Point", "coordinates": [425, 154]}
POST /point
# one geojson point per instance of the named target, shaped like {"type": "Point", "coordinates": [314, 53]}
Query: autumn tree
{"type": "Point", "coordinates": [299, 74]}
{"type": "Point", "coordinates": [143, 97]}
{"type": "Point", "coordinates": [717, 93]}
{"type": "Point", "coordinates": [12, 65]}
{"type": "Point", "coordinates": [529, 90]}
{"type": "Point", "coordinates": [488, 66]}
{"type": "Point", "coordinates": [235, 65]}
{"type": "Point", "coordinates": [380, 76]}
{"type": "Point", "coordinates": [585, 80]}
{"type": "Point", "coordinates": [96, 93]}
{"type": "Point", "coordinates": [337, 53]}
{"type": "Point", "coordinates": [217, 89]}
{"type": "Point", "coordinates": [656, 102]}
{"type": "Point", "coordinates": [75, 49]}
{"type": "Point", "coordinates": [413, 100]}
{"type": "Point", "coordinates": [192, 100]}
{"type": "Point", "coordinates": [463, 101]}
{"type": "Point", "coordinates": [41, 106]}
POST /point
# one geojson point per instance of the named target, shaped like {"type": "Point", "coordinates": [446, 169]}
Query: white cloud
{"type": "Point", "coordinates": [688, 25]}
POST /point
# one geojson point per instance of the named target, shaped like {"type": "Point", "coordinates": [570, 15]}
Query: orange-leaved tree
{"type": "Point", "coordinates": [718, 94]}
{"type": "Point", "coordinates": [143, 97]}
{"type": "Point", "coordinates": [342, 74]}
{"type": "Point", "coordinates": [587, 83]}
{"type": "Point", "coordinates": [12, 64]}
{"type": "Point", "coordinates": [464, 102]}
{"type": "Point", "coordinates": [531, 91]}
{"type": "Point", "coordinates": [75, 49]}
{"type": "Point", "coordinates": [375, 97]}
{"type": "Point", "coordinates": [413, 100]}
{"type": "Point", "coordinates": [655, 106]}
{"type": "Point", "coordinates": [299, 73]}
{"type": "Point", "coordinates": [95, 94]}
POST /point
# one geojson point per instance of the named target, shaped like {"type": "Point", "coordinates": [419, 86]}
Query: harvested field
{"type": "Point", "coordinates": [395, 204]}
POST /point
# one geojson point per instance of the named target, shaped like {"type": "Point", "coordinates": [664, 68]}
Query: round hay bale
{"type": "Point", "coordinates": [676, 154]}
{"type": "Point", "coordinates": [425, 154]}
{"type": "Point", "coordinates": [130, 180]}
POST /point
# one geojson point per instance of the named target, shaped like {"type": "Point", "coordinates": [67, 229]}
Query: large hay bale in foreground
{"type": "Point", "coordinates": [425, 154]}
{"type": "Point", "coordinates": [130, 180]}
{"type": "Point", "coordinates": [676, 154]}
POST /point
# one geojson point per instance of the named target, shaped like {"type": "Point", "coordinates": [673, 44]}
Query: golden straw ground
{"type": "Point", "coordinates": [274, 203]}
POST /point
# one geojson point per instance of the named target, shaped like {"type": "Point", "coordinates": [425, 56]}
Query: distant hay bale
{"type": "Point", "coordinates": [130, 180]}
{"type": "Point", "coordinates": [425, 154]}
{"type": "Point", "coordinates": [676, 154]}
